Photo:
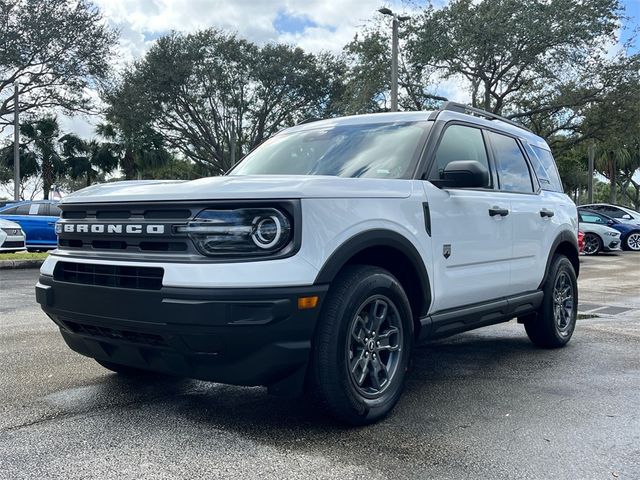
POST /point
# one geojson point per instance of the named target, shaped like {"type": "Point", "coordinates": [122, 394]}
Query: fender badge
{"type": "Point", "coordinates": [446, 250]}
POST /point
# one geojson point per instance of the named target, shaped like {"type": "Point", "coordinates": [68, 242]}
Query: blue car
{"type": "Point", "coordinates": [38, 221]}
{"type": "Point", "coordinates": [629, 232]}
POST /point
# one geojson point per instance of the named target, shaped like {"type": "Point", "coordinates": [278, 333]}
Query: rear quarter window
{"type": "Point", "coordinates": [546, 170]}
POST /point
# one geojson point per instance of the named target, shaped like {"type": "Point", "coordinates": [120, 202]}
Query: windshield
{"type": "Point", "coordinates": [383, 150]}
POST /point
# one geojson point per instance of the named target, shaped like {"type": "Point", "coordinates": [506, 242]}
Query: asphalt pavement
{"type": "Point", "coordinates": [485, 404]}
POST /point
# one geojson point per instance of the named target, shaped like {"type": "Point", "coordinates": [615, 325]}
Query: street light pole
{"type": "Point", "coordinates": [394, 55]}
{"type": "Point", "coordinates": [16, 144]}
{"type": "Point", "coordinates": [394, 64]}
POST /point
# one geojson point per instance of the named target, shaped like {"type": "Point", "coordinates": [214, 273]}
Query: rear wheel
{"type": "Point", "coordinates": [362, 345]}
{"type": "Point", "coordinates": [592, 244]}
{"type": "Point", "coordinates": [632, 242]}
{"type": "Point", "coordinates": [555, 321]}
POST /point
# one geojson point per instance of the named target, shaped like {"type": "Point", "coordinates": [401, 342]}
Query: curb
{"type": "Point", "coordinates": [13, 264]}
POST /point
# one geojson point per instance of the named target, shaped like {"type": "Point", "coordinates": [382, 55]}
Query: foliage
{"type": "Point", "coordinates": [88, 159]}
{"type": "Point", "coordinates": [41, 135]}
{"type": "Point", "coordinates": [206, 92]}
{"type": "Point", "coordinates": [511, 51]}
{"type": "Point", "coordinates": [55, 49]}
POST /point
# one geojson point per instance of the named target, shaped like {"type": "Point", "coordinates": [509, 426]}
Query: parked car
{"type": "Point", "coordinates": [629, 232]}
{"type": "Point", "coordinates": [12, 238]}
{"type": "Point", "coordinates": [38, 221]}
{"type": "Point", "coordinates": [322, 257]}
{"type": "Point", "coordinates": [598, 237]}
{"type": "Point", "coordinates": [580, 241]}
{"type": "Point", "coordinates": [620, 213]}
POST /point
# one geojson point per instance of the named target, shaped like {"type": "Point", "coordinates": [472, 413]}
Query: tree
{"type": "Point", "coordinates": [209, 92]}
{"type": "Point", "coordinates": [140, 150]}
{"type": "Point", "coordinates": [613, 123]}
{"type": "Point", "coordinates": [88, 159]}
{"type": "Point", "coordinates": [41, 135]}
{"type": "Point", "coordinates": [55, 49]}
{"type": "Point", "coordinates": [510, 51]}
{"type": "Point", "coordinates": [29, 168]}
{"type": "Point", "coordinates": [368, 75]}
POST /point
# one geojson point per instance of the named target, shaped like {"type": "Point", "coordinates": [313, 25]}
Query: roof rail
{"type": "Point", "coordinates": [309, 120]}
{"type": "Point", "coordinates": [461, 108]}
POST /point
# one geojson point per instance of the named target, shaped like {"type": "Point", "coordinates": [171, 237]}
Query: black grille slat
{"type": "Point", "coordinates": [116, 334]}
{"type": "Point", "coordinates": [16, 244]}
{"type": "Point", "coordinates": [113, 214]}
{"type": "Point", "coordinates": [167, 214]}
{"type": "Point", "coordinates": [141, 278]}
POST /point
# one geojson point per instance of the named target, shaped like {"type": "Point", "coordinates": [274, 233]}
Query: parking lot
{"type": "Point", "coordinates": [485, 404]}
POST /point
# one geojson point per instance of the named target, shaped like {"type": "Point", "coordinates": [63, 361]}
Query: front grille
{"type": "Point", "coordinates": [12, 245]}
{"type": "Point", "coordinates": [141, 278]}
{"type": "Point", "coordinates": [163, 240]}
{"type": "Point", "coordinates": [115, 334]}
{"type": "Point", "coordinates": [12, 232]}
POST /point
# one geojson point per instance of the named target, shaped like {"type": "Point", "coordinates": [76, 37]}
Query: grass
{"type": "Point", "coordinates": [23, 256]}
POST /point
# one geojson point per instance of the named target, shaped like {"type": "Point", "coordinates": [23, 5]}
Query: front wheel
{"type": "Point", "coordinates": [592, 244]}
{"type": "Point", "coordinates": [555, 321]}
{"type": "Point", "coordinates": [632, 242]}
{"type": "Point", "coordinates": [362, 345]}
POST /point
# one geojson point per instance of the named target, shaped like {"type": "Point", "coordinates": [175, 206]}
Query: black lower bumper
{"type": "Point", "coordinates": [236, 336]}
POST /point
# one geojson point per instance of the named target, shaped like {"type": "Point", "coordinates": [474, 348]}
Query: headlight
{"type": "Point", "coordinates": [612, 234]}
{"type": "Point", "coordinates": [245, 231]}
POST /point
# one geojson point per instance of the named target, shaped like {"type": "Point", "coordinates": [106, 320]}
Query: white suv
{"type": "Point", "coordinates": [322, 257]}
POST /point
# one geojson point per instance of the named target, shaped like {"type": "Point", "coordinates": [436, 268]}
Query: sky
{"type": "Point", "coordinates": [314, 25]}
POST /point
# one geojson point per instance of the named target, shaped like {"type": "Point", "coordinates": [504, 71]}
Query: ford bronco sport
{"type": "Point", "coordinates": [318, 261]}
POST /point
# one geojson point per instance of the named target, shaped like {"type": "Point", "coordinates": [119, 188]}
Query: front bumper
{"type": "Point", "coordinates": [613, 245]}
{"type": "Point", "coordinates": [236, 336]}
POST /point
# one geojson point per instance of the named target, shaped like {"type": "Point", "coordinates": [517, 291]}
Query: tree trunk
{"type": "Point", "coordinates": [487, 96]}
{"type": "Point", "coordinates": [612, 180]}
{"type": "Point", "coordinates": [129, 165]}
{"type": "Point", "coordinates": [47, 177]}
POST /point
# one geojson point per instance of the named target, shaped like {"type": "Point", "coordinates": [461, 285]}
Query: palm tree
{"type": "Point", "coordinates": [138, 153]}
{"type": "Point", "coordinates": [88, 158]}
{"type": "Point", "coordinates": [41, 137]}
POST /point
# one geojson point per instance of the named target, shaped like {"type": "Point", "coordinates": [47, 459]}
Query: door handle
{"type": "Point", "coordinates": [546, 213]}
{"type": "Point", "coordinates": [503, 212]}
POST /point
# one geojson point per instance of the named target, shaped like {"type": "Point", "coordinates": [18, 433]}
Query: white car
{"type": "Point", "coordinates": [623, 214]}
{"type": "Point", "coordinates": [12, 237]}
{"type": "Point", "coordinates": [320, 260]}
{"type": "Point", "coordinates": [598, 238]}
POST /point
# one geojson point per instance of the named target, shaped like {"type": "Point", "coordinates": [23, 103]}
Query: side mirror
{"type": "Point", "coordinates": [626, 216]}
{"type": "Point", "coordinates": [610, 222]}
{"type": "Point", "coordinates": [464, 174]}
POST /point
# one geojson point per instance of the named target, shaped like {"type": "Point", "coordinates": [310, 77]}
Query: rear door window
{"type": "Point", "coordinates": [511, 165]}
{"type": "Point", "coordinates": [546, 170]}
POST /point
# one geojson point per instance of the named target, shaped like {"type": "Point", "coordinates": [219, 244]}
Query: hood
{"type": "Point", "coordinates": [242, 187]}
{"type": "Point", "coordinates": [8, 224]}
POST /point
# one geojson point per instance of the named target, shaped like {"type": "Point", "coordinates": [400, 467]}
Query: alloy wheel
{"type": "Point", "coordinates": [374, 345]}
{"type": "Point", "coordinates": [563, 304]}
{"type": "Point", "coordinates": [591, 244]}
{"type": "Point", "coordinates": [633, 241]}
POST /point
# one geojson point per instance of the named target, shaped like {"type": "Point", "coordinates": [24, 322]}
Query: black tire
{"type": "Point", "coordinates": [125, 369]}
{"type": "Point", "coordinates": [592, 244]}
{"type": "Point", "coordinates": [351, 394]}
{"type": "Point", "coordinates": [634, 244]}
{"type": "Point", "coordinates": [555, 321]}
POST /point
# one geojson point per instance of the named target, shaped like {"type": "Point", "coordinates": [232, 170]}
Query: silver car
{"type": "Point", "coordinates": [598, 237]}
{"type": "Point", "coordinates": [12, 237]}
